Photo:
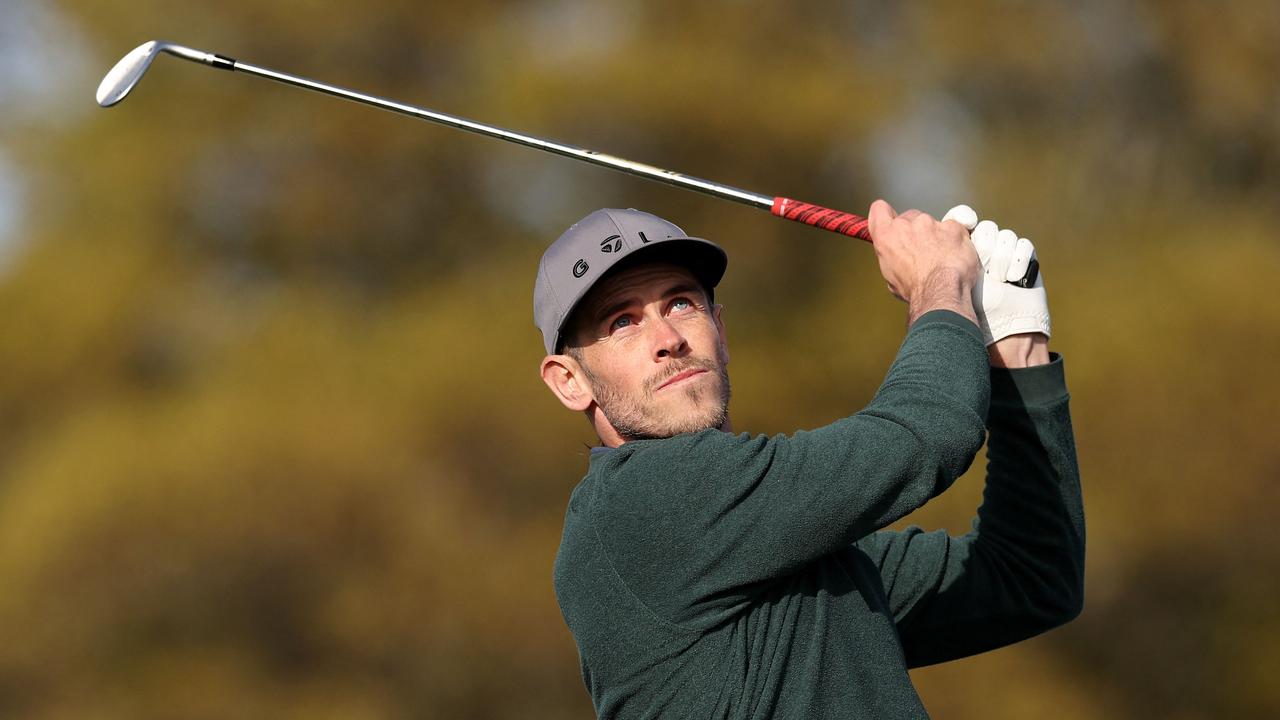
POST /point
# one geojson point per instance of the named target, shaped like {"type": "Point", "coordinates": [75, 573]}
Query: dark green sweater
{"type": "Point", "coordinates": [711, 575]}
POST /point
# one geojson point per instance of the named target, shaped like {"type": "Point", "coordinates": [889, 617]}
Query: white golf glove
{"type": "Point", "coordinates": [1004, 307]}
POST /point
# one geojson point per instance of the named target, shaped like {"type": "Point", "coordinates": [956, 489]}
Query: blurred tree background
{"type": "Point", "coordinates": [272, 442]}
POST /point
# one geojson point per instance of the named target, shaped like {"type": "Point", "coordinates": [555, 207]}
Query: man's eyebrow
{"type": "Point", "coordinates": [614, 307]}
{"type": "Point", "coordinates": [680, 288]}
{"type": "Point", "coordinates": [685, 288]}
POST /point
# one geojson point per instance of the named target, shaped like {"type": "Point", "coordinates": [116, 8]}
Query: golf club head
{"type": "Point", "coordinates": [120, 79]}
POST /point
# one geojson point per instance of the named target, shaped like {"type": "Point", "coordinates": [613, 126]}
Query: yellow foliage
{"type": "Point", "coordinates": [272, 441]}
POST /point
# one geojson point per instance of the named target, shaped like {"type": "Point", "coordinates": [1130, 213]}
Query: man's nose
{"type": "Point", "coordinates": [667, 340]}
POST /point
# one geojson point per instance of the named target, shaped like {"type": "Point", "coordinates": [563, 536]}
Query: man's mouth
{"type": "Point", "coordinates": [691, 372]}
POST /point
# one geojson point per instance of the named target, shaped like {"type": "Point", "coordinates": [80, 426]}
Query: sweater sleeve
{"type": "Point", "coordinates": [1020, 571]}
{"type": "Point", "coordinates": [697, 524]}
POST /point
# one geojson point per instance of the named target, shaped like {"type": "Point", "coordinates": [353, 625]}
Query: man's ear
{"type": "Point", "coordinates": [567, 382]}
{"type": "Point", "coordinates": [724, 337]}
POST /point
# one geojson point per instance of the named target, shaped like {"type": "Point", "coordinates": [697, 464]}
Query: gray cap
{"type": "Point", "coordinates": [597, 244]}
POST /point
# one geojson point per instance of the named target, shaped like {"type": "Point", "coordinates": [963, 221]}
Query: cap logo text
{"type": "Point", "coordinates": [643, 240]}
{"type": "Point", "coordinates": [611, 244]}
{"type": "Point", "coordinates": [580, 268]}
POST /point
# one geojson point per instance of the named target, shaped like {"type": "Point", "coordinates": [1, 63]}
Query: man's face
{"type": "Point", "coordinates": [653, 353]}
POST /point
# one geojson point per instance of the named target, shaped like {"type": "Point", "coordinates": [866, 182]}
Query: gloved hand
{"type": "Point", "coordinates": [1005, 308]}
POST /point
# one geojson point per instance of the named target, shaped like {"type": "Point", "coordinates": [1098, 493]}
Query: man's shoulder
{"type": "Point", "coordinates": [675, 456]}
{"type": "Point", "coordinates": [647, 477]}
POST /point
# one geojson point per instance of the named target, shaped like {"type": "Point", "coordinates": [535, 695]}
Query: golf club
{"type": "Point", "coordinates": [125, 75]}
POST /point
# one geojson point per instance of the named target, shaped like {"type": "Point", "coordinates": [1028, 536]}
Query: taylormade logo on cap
{"type": "Point", "coordinates": [599, 242]}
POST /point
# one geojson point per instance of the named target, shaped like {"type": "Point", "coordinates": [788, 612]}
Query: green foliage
{"type": "Point", "coordinates": [272, 441]}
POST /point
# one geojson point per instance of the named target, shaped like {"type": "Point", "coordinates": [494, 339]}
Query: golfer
{"type": "Point", "coordinates": [707, 574]}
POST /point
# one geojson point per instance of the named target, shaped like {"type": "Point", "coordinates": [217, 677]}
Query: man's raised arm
{"type": "Point", "coordinates": [1020, 571]}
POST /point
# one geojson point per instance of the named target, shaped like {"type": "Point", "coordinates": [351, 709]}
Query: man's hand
{"type": "Point", "coordinates": [1014, 320]}
{"type": "Point", "coordinates": [931, 265]}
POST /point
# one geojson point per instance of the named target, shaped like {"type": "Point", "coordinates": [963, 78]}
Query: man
{"type": "Point", "coordinates": [706, 574]}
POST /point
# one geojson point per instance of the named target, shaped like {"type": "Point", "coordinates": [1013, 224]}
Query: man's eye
{"type": "Point", "coordinates": [681, 304]}
{"type": "Point", "coordinates": [621, 322]}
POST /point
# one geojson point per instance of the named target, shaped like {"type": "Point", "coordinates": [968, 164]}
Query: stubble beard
{"type": "Point", "coordinates": [635, 416]}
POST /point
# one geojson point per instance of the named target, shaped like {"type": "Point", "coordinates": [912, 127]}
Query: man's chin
{"type": "Point", "coordinates": [704, 405]}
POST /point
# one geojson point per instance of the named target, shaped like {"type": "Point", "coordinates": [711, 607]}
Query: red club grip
{"type": "Point", "coordinates": [825, 218]}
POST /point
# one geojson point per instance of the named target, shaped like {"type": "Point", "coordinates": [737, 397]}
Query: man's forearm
{"type": "Point", "coordinates": [1020, 572]}
{"type": "Point", "coordinates": [1033, 502]}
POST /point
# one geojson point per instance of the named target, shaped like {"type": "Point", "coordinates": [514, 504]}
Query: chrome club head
{"type": "Point", "coordinates": [120, 79]}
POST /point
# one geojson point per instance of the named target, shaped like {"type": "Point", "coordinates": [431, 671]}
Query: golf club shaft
{"type": "Point", "coordinates": [808, 213]}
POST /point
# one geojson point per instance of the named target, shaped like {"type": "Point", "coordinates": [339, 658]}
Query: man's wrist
{"type": "Point", "coordinates": [1020, 351]}
{"type": "Point", "coordinates": [943, 289]}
